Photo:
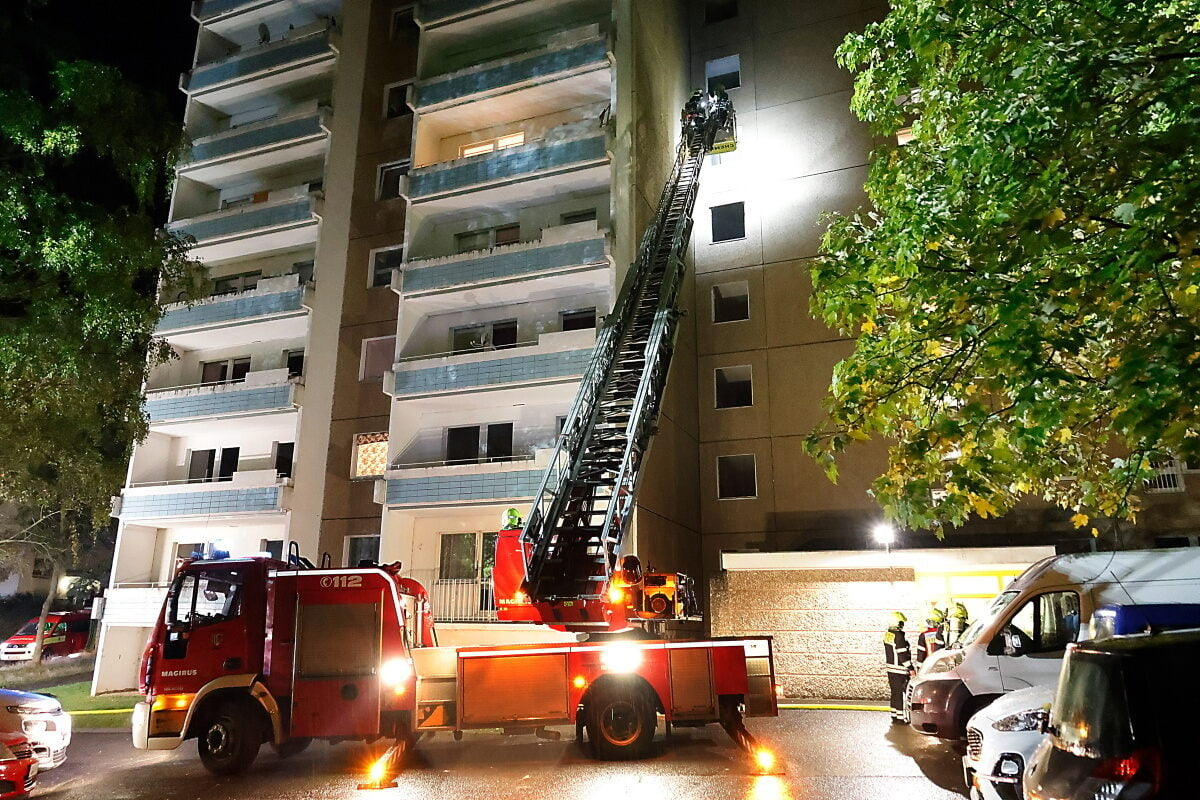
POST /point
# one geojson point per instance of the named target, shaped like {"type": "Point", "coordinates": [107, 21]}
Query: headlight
{"type": "Point", "coordinates": [1030, 720]}
{"type": "Point", "coordinates": [31, 710]}
{"type": "Point", "coordinates": [943, 661]}
{"type": "Point", "coordinates": [395, 672]}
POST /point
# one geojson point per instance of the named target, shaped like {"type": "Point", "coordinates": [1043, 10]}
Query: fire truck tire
{"type": "Point", "coordinates": [229, 740]}
{"type": "Point", "coordinates": [620, 720]}
{"type": "Point", "coordinates": [291, 747]}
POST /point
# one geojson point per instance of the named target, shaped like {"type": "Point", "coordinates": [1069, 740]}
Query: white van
{"type": "Point", "coordinates": [1021, 640]}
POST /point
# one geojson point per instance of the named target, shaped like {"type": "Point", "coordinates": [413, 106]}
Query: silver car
{"type": "Point", "coordinates": [42, 720]}
{"type": "Point", "coordinates": [1001, 739]}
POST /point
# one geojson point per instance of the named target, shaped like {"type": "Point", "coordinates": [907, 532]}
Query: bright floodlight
{"type": "Point", "coordinates": [884, 533]}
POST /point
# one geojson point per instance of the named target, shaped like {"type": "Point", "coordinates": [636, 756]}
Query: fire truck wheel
{"type": "Point", "coordinates": [230, 738]}
{"type": "Point", "coordinates": [620, 721]}
{"type": "Point", "coordinates": [291, 747]}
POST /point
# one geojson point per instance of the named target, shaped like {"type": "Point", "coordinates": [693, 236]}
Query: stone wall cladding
{"type": "Point", "coordinates": [827, 624]}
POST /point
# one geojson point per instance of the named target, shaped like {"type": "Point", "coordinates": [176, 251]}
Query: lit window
{"type": "Point", "coordinates": [904, 135]}
{"type": "Point", "coordinates": [370, 454]}
{"type": "Point", "coordinates": [378, 355]}
{"type": "Point", "coordinates": [731, 302]}
{"type": "Point", "coordinates": [728, 222]}
{"type": "Point", "coordinates": [724, 72]}
{"type": "Point", "coordinates": [479, 148]}
{"type": "Point", "coordinates": [511, 140]}
{"type": "Point", "coordinates": [735, 477]}
{"type": "Point", "coordinates": [734, 387]}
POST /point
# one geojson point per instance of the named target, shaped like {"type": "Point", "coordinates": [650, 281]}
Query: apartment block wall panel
{"type": "Point", "coordinates": [188, 504]}
{"type": "Point", "coordinates": [504, 486]}
{"type": "Point", "coordinates": [234, 308]}
{"type": "Point", "coordinates": [520, 369]}
{"type": "Point", "coordinates": [510, 264]}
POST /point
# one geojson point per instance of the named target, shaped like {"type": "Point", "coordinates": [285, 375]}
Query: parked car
{"type": "Point", "coordinates": [1001, 739]}
{"type": "Point", "coordinates": [18, 767]}
{"type": "Point", "coordinates": [1123, 722]}
{"type": "Point", "coordinates": [41, 719]}
{"type": "Point", "coordinates": [1021, 639]}
{"type": "Point", "coordinates": [66, 633]}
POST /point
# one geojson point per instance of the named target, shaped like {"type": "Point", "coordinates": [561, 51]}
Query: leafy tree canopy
{"type": "Point", "coordinates": [83, 159]}
{"type": "Point", "coordinates": [1026, 289]}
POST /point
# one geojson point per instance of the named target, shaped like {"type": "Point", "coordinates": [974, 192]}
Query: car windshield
{"type": "Point", "coordinates": [1090, 712]}
{"type": "Point", "coordinates": [999, 604]}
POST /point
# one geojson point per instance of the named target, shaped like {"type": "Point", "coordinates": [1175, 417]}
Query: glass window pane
{"type": "Point", "coordinates": [457, 561]}
{"type": "Point", "coordinates": [728, 222]}
{"type": "Point", "coordinates": [735, 476]}
{"type": "Point", "coordinates": [360, 549]}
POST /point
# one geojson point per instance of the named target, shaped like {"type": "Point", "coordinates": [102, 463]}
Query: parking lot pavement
{"type": "Point", "coordinates": [825, 755]}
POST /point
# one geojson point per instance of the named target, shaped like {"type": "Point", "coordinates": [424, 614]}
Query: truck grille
{"type": "Point", "coordinates": [22, 751]}
{"type": "Point", "coordinates": [974, 743]}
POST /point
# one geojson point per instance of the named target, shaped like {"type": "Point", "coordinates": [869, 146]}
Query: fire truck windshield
{"type": "Point", "coordinates": [204, 598]}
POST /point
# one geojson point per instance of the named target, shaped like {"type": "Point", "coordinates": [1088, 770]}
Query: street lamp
{"type": "Point", "coordinates": [884, 534]}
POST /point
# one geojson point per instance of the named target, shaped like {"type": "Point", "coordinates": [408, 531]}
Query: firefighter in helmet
{"type": "Point", "coordinates": [933, 638]}
{"type": "Point", "coordinates": [957, 623]}
{"type": "Point", "coordinates": [511, 519]}
{"type": "Point", "coordinates": [694, 108]}
{"type": "Point", "coordinates": [897, 657]}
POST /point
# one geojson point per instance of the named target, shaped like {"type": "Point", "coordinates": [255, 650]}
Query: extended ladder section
{"type": "Point", "coordinates": [573, 534]}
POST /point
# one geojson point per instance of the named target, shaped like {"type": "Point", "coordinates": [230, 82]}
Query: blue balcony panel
{"type": "Point", "coordinates": [220, 401]}
{"type": "Point", "coordinates": [260, 59]}
{"type": "Point", "coordinates": [508, 164]}
{"type": "Point", "coordinates": [281, 131]}
{"type": "Point", "coordinates": [257, 499]}
{"type": "Point", "coordinates": [504, 265]}
{"type": "Point", "coordinates": [463, 488]}
{"type": "Point", "coordinates": [234, 309]}
{"type": "Point", "coordinates": [246, 219]}
{"type": "Point", "coordinates": [518, 70]}
{"type": "Point", "coordinates": [207, 9]}
{"type": "Point", "coordinates": [497, 372]}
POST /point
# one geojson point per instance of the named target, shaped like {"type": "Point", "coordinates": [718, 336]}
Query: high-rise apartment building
{"type": "Point", "coordinates": [416, 216]}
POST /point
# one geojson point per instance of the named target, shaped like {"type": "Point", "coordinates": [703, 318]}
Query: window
{"type": "Point", "coordinates": [305, 269]}
{"type": "Point", "coordinates": [489, 336]}
{"type": "Point", "coordinates": [500, 441]}
{"type": "Point", "coordinates": [200, 465]}
{"type": "Point", "coordinates": [469, 557]}
{"type": "Point", "coordinates": [403, 23]}
{"type": "Point", "coordinates": [904, 135]}
{"type": "Point", "coordinates": [229, 370]}
{"type": "Point", "coordinates": [360, 549]}
{"type": "Point", "coordinates": [723, 72]}
{"type": "Point", "coordinates": [735, 477]}
{"type": "Point", "coordinates": [487, 238]}
{"type": "Point", "coordinates": [488, 145]}
{"type": "Point", "coordinates": [204, 598]}
{"type": "Point", "coordinates": [1169, 478]}
{"type": "Point", "coordinates": [272, 547]}
{"type": "Point", "coordinates": [378, 355]}
{"type": "Point", "coordinates": [579, 320]}
{"type": "Point", "coordinates": [719, 10]}
{"type": "Point", "coordinates": [370, 454]}
{"type": "Point", "coordinates": [728, 222]}
{"type": "Point", "coordinates": [731, 302]}
{"type": "Point", "coordinates": [395, 102]}
{"type": "Point", "coordinates": [230, 284]}
{"type": "Point", "coordinates": [1045, 624]}
{"type": "Point", "coordinates": [295, 363]}
{"type": "Point", "coordinates": [383, 261]}
{"type": "Point", "coordinates": [285, 452]}
{"type": "Point", "coordinates": [229, 463]}
{"type": "Point", "coordinates": [462, 445]}
{"type": "Point", "coordinates": [587, 215]}
{"type": "Point", "coordinates": [734, 387]}
{"type": "Point", "coordinates": [391, 179]}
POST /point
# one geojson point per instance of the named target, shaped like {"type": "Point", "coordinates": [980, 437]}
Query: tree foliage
{"type": "Point", "coordinates": [1026, 289]}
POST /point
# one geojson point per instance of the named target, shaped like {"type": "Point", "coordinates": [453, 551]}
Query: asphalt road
{"type": "Point", "coordinates": [826, 755]}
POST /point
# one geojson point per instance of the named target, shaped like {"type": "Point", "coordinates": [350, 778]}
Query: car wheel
{"type": "Point", "coordinates": [620, 720]}
{"type": "Point", "coordinates": [229, 741]}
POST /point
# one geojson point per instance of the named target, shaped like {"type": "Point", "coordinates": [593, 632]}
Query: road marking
{"type": "Point", "coordinates": [833, 707]}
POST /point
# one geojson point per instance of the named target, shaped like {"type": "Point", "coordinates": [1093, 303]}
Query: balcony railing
{"type": "Point", "coordinates": [553, 62]}
{"type": "Point", "coordinates": [248, 493]}
{"type": "Point", "coordinates": [137, 604]}
{"type": "Point", "coordinates": [458, 599]}
{"type": "Point", "coordinates": [513, 163]}
{"type": "Point", "coordinates": [503, 263]}
{"type": "Point", "coordinates": [262, 392]}
{"type": "Point", "coordinates": [432, 12]}
{"type": "Point", "coordinates": [272, 297]}
{"type": "Point", "coordinates": [272, 132]}
{"type": "Point", "coordinates": [292, 209]}
{"type": "Point", "coordinates": [453, 486]}
{"type": "Point", "coordinates": [275, 56]}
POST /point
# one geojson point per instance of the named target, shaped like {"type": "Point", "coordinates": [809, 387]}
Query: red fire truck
{"type": "Point", "coordinates": [254, 650]}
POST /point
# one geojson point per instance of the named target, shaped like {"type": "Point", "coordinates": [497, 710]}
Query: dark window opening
{"type": "Point", "coordinates": [734, 387]}
{"type": "Point", "coordinates": [508, 234]}
{"type": "Point", "coordinates": [200, 466]}
{"type": "Point", "coordinates": [390, 179]}
{"type": "Point", "coordinates": [500, 441]}
{"type": "Point", "coordinates": [403, 23]}
{"type": "Point", "coordinates": [725, 73]}
{"type": "Point", "coordinates": [382, 264]}
{"type": "Point", "coordinates": [361, 549]}
{"type": "Point", "coordinates": [284, 452]}
{"type": "Point", "coordinates": [504, 334]}
{"type": "Point", "coordinates": [229, 463]}
{"type": "Point", "coordinates": [305, 270]}
{"type": "Point", "coordinates": [462, 445]}
{"type": "Point", "coordinates": [731, 302]}
{"type": "Point", "coordinates": [571, 218]}
{"type": "Point", "coordinates": [735, 477]}
{"type": "Point", "coordinates": [295, 363]}
{"type": "Point", "coordinates": [719, 10]}
{"type": "Point", "coordinates": [579, 320]}
{"type": "Point", "coordinates": [728, 222]}
{"type": "Point", "coordinates": [397, 101]}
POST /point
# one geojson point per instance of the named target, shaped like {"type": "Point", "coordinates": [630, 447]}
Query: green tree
{"type": "Point", "coordinates": [84, 156]}
{"type": "Point", "coordinates": [1025, 290]}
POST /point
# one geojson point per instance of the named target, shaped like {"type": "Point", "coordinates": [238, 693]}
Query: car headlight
{"type": "Point", "coordinates": [29, 710]}
{"type": "Point", "coordinates": [1030, 720]}
{"type": "Point", "coordinates": [943, 661]}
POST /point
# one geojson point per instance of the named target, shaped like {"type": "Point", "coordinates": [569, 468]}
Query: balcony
{"type": "Point", "coordinates": [176, 410]}
{"type": "Point", "coordinates": [571, 54]}
{"type": "Point", "coordinates": [305, 54]}
{"type": "Point", "coordinates": [275, 309]}
{"type": "Point", "coordinates": [502, 482]}
{"type": "Point", "coordinates": [573, 158]}
{"type": "Point", "coordinates": [555, 358]}
{"type": "Point", "coordinates": [287, 220]}
{"type": "Point", "coordinates": [458, 600]}
{"type": "Point", "coordinates": [205, 10]}
{"type": "Point", "coordinates": [262, 147]}
{"type": "Point", "coordinates": [571, 257]}
{"type": "Point", "coordinates": [253, 494]}
{"type": "Point", "coordinates": [136, 604]}
{"type": "Point", "coordinates": [439, 12]}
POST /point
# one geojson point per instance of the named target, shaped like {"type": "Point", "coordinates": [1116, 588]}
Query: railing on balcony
{"type": "Point", "coordinates": [291, 209]}
{"type": "Point", "coordinates": [460, 375]}
{"type": "Point", "coordinates": [260, 134]}
{"type": "Point", "coordinates": [566, 55]}
{"type": "Point", "coordinates": [431, 12]}
{"type": "Point", "coordinates": [458, 599]}
{"type": "Point", "coordinates": [459, 462]}
{"type": "Point", "coordinates": [260, 392]}
{"type": "Point", "coordinates": [512, 163]}
{"type": "Point", "coordinates": [512, 261]}
{"type": "Point", "coordinates": [445, 488]}
{"type": "Point", "coordinates": [272, 56]}
{"type": "Point", "coordinates": [201, 503]}
{"type": "Point", "coordinates": [272, 296]}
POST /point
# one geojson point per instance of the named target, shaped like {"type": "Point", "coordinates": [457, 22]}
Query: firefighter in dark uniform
{"type": "Point", "coordinates": [933, 638]}
{"type": "Point", "coordinates": [898, 663]}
